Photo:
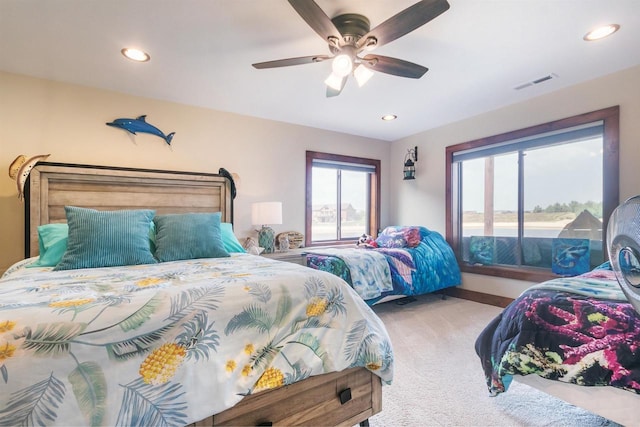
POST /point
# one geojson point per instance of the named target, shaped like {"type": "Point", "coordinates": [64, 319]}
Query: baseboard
{"type": "Point", "coordinates": [478, 297]}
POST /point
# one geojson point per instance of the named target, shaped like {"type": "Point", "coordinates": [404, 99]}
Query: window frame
{"type": "Point", "coordinates": [610, 197]}
{"type": "Point", "coordinates": [373, 198]}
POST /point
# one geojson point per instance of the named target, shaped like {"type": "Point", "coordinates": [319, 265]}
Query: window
{"type": "Point", "coordinates": [342, 201]}
{"type": "Point", "coordinates": [520, 203]}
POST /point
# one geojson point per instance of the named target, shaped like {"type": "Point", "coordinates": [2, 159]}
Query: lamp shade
{"type": "Point", "coordinates": [266, 213]}
{"type": "Point", "coordinates": [334, 81]}
{"type": "Point", "coordinates": [362, 74]}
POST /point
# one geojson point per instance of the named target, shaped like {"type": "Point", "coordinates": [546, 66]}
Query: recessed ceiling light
{"type": "Point", "coordinates": [135, 54]}
{"type": "Point", "coordinates": [601, 32]}
{"type": "Point", "coordinates": [389, 117]}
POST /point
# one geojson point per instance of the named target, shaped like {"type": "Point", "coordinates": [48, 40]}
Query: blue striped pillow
{"type": "Point", "coordinates": [189, 236]}
{"type": "Point", "coordinates": [107, 238]}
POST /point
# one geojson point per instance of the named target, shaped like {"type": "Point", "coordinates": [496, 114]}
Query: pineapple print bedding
{"type": "Point", "coordinates": [173, 343]}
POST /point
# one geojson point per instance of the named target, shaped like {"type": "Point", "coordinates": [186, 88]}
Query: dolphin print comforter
{"type": "Point", "coordinates": [173, 343]}
{"type": "Point", "coordinates": [579, 330]}
{"type": "Point", "coordinates": [419, 261]}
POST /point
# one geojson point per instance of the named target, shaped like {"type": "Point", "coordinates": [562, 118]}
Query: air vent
{"type": "Point", "coordinates": [537, 81]}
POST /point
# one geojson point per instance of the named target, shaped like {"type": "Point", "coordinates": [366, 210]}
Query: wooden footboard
{"type": "Point", "coordinates": [314, 401]}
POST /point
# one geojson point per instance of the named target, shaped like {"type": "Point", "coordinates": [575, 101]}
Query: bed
{"type": "Point", "coordinates": [566, 333]}
{"type": "Point", "coordinates": [402, 261]}
{"type": "Point", "coordinates": [196, 339]}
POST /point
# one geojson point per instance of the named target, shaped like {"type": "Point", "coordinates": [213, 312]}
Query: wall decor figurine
{"type": "Point", "coordinates": [283, 242]}
{"type": "Point", "coordinates": [20, 168]}
{"type": "Point", "coordinates": [139, 124]}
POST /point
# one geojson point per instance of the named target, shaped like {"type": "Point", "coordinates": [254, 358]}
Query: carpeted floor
{"type": "Point", "coordinates": [438, 378]}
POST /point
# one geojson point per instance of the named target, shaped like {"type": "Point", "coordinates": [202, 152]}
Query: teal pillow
{"type": "Point", "coordinates": [107, 238]}
{"type": "Point", "coordinates": [53, 240]}
{"type": "Point", "coordinates": [52, 244]}
{"type": "Point", "coordinates": [152, 237]}
{"type": "Point", "coordinates": [229, 239]}
{"type": "Point", "coordinates": [189, 236]}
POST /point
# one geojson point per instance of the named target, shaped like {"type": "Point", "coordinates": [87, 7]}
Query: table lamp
{"type": "Point", "coordinates": [266, 213]}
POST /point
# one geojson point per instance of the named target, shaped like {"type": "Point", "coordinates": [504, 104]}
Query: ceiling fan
{"type": "Point", "coordinates": [349, 35]}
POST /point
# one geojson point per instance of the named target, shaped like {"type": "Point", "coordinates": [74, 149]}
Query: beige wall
{"type": "Point", "coordinates": [40, 116]}
{"type": "Point", "coordinates": [423, 201]}
{"type": "Point", "coordinates": [68, 121]}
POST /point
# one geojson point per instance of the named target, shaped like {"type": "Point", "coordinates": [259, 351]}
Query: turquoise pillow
{"type": "Point", "coordinates": [52, 244]}
{"type": "Point", "coordinates": [53, 240]}
{"type": "Point", "coordinates": [107, 238]}
{"type": "Point", "coordinates": [152, 237]}
{"type": "Point", "coordinates": [189, 236]}
{"type": "Point", "coordinates": [229, 239]}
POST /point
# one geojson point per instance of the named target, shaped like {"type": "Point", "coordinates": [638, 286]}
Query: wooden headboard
{"type": "Point", "coordinates": [52, 186]}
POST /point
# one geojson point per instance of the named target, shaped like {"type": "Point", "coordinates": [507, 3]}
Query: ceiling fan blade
{"type": "Point", "coordinates": [316, 18]}
{"type": "Point", "coordinates": [291, 61]}
{"type": "Point", "coordinates": [395, 66]}
{"type": "Point", "coordinates": [406, 21]}
{"type": "Point", "coordinates": [334, 92]}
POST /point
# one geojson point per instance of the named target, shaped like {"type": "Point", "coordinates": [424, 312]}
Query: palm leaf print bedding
{"type": "Point", "coordinates": [172, 343]}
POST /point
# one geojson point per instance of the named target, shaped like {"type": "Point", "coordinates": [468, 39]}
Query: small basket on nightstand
{"type": "Point", "coordinates": [295, 239]}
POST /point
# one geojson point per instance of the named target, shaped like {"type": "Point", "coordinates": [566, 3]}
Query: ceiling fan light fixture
{"type": "Point", "coordinates": [349, 34]}
{"type": "Point", "coordinates": [334, 81]}
{"type": "Point", "coordinates": [601, 32]}
{"type": "Point", "coordinates": [362, 74]}
{"type": "Point", "coordinates": [342, 64]}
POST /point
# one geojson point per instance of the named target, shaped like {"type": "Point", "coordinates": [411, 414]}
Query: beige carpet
{"type": "Point", "coordinates": [438, 379]}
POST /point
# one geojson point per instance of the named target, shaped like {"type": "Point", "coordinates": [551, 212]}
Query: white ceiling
{"type": "Point", "coordinates": [202, 51]}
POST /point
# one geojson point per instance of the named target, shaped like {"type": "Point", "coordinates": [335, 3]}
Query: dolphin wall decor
{"type": "Point", "coordinates": [140, 124]}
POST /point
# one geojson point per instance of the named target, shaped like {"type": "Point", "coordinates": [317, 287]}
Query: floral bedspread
{"type": "Point", "coordinates": [369, 270]}
{"type": "Point", "coordinates": [173, 343]}
{"type": "Point", "coordinates": [578, 330]}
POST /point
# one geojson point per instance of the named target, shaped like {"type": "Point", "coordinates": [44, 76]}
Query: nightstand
{"type": "Point", "coordinates": [295, 256]}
